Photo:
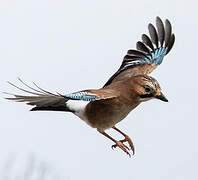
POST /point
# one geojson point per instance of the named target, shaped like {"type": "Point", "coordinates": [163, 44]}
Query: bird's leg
{"type": "Point", "coordinates": [126, 139]}
{"type": "Point", "coordinates": [118, 143]}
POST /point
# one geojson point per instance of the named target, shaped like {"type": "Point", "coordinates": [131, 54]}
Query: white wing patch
{"type": "Point", "coordinates": [78, 107]}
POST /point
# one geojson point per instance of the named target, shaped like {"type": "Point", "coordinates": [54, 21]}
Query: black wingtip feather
{"type": "Point", "coordinates": [153, 34]}
{"type": "Point", "coordinates": [146, 40]}
{"type": "Point", "coordinates": [141, 47]}
{"type": "Point", "coordinates": [160, 30]}
{"type": "Point", "coordinates": [161, 34]}
{"type": "Point", "coordinates": [132, 52]}
{"type": "Point", "coordinates": [168, 31]}
{"type": "Point", "coordinates": [171, 43]}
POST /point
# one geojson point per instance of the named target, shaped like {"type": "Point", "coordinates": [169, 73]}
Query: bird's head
{"type": "Point", "coordinates": [148, 88]}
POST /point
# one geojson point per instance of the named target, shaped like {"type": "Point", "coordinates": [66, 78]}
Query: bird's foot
{"type": "Point", "coordinates": [122, 146]}
{"type": "Point", "coordinates": [130, 142]}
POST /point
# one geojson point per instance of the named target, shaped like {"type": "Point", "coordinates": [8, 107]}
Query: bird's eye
{"type": "Point", "coordinates": [147, 88]}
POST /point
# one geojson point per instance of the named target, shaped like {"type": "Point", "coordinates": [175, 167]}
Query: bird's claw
{"type": "Point", "coordinates": [115, 145]}
{"type": "Point", "coordinates": [121, 146]}
{"type": "Point", "coordinates": [130, 142]}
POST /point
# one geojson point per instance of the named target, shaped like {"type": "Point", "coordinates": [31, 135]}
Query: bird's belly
{"type": "Point", "coordinates": [106, 117]}
{"type": "Point", "coordinates": [100, 115]}
{"type": "Point", "coordinates": [106, 122]}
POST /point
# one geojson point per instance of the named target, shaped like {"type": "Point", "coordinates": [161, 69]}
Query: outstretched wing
{"type": "Point", "coordinates": [149, 54]}
{"type": "Point", "coordinates": [45, 100]}
{"type": "Point", "coordinates": [40, 98]}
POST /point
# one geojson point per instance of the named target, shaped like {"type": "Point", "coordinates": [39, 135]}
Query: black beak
{"type": "Point", "coordinates": [161, 97]}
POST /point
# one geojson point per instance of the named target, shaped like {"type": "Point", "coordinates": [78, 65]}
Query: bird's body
{"type": "Point", "coordinates": [110, 112]}
{"type": "Point", "coordinates": [119, 99]}
{"type": "Point", "coordinates": [103, 108]}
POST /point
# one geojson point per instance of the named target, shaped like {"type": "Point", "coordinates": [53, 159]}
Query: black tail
{"type": "Point", "coordinates": [41, 99]}
{"type": "Point", "coordinates": [51, 108]}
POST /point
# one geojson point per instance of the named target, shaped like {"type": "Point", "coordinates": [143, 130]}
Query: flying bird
{"type": "Point", "coordinates": [105, 107]}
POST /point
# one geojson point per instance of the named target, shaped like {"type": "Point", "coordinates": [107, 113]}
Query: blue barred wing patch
{"type": "Point", "coordinates": [157, 56]}
{"type": "Point", "coordinates": [154, 57]}
{"type": "Point", "coordinates": [82, 95]}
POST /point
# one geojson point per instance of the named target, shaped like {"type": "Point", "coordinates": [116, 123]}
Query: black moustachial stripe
{"type": "Point", "coordinates": [146, 95]}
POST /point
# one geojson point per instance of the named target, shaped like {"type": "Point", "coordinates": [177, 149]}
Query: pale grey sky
{"type": "Point", "coordinates": [67, 46]}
